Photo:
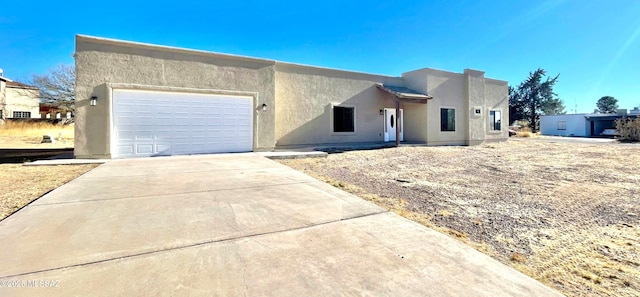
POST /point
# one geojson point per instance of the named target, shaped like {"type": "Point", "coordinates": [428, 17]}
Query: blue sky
{"type": "Point", "coordinates": [593, 44]}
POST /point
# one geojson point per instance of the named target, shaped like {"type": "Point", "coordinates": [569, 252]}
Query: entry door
{"type": "Point", "coordinates": [390, 124]}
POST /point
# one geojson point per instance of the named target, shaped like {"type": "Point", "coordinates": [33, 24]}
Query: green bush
{"type": "Point", "coordinates": [628, 129]}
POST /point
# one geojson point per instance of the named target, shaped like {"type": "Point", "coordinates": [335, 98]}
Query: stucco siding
{"type": "Point", "coordinates": [100, 62]}
{"type": "Point", "coordinates": [19, 99]}
{"type": "Point", "coordinates": [496, 97]}
{"type": "Point", "coordinates": [448, 91]}
{"type": "Point", "coordinates": [305, 97]}
{"type": "Point", "coordinates": [417, 79]}
{"type": "Point", "coordinates": [416, 122]}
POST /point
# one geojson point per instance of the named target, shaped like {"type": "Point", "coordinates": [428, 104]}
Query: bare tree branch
{"type": "Point", "coordinates": [57, 86]}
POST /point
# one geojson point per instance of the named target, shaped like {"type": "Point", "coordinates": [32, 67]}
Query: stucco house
{"type": "Point", "coordinates": [136, 100]}
{"type": "Point", "coordinates": [18, 100]}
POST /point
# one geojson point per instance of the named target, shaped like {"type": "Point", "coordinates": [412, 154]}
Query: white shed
{"type": "Point", "coordinates": [565, 125]}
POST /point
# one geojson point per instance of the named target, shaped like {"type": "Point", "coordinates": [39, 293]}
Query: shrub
{"type": "Point", "coordinates": [628, 129]}
{"type": "Point", "coordinates": [525, 129]}
{"type": "Point", "coordinates": [524, 134]}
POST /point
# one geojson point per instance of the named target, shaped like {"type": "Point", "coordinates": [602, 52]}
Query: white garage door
{"type": "Point", "coordinates": [166, 123]}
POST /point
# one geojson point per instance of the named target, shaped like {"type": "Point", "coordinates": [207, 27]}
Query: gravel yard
{"type": "Point", "coordinates": [567, 214]}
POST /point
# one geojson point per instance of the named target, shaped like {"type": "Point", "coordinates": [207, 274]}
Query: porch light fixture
{"type": "Point", "coordinates": [381, 112]}
{"type": "Point", "coordinates": [94, 101]}
{"type": "Point", "coordinates": [264, 107]}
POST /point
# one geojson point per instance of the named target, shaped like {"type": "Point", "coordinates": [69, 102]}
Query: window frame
{"type": "Point", "coordinates": [333, 118]}
{"type": "Point", "coordinates": [21, 114]}
{"type": "Point", "coordinates": [563, 126]}
{"type": "Point", "coordinates": [492, 124]}
{"type": "Point", "coordinates": [454, 119]}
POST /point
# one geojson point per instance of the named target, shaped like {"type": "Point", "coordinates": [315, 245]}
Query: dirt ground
{"type": "Point", "coordinates": [22, 184]}
{"type": "Point", "coordinates": [567, 214]}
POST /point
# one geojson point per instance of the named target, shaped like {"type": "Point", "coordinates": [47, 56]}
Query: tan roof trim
{"type": "Point", "coordinates": [87, 38]}
{"type": "Point", "coordinates": [17, 85]}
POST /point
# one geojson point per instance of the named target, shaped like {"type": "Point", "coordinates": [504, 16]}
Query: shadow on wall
{"type": "Point", "coordinates": [369, 124]}
{"type": "Point", "coordinates": [445, 93]}
{"type": "Point", "coordinates": [80, 139]}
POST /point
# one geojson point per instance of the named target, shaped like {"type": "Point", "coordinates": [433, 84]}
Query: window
{"type": "Point", "coordinates": [495, 120]}
{"type": "Point", "coordinates": [343, 119]}
{"type": "Point", "coordinates": [1, 114]}
{"type": "Point", "coordinates": [21, 114]}
{"type": "Point", "coordinates": [447, 119]}
{"type": "Point", "coordinates": [562, 125]}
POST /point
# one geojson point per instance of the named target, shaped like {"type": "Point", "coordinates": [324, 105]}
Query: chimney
{"type": "Point", "coordinates": [1, 72]}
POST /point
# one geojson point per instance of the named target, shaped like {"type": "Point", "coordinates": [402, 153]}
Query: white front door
{"type": "Point", "coordinates": [390, 124]}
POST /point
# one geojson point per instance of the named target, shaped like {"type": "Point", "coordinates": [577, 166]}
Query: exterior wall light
{"type": "Point", "coordinates": [381, 112]}
{"type": "Point", "coordinates": [94, 101]}
{"type": "Point", "coordinates": [264, 107]}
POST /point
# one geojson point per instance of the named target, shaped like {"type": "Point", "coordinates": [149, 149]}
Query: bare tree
{"type": "Point", "coordinates": [57, 87]}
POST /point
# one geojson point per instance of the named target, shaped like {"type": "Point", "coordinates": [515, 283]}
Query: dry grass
{"type": "Point", "coordinates": [22, 184]}
{"type": "Point", "coordinates": [31, 132]}
{"type": "Point", "coordinates": [567, 214]}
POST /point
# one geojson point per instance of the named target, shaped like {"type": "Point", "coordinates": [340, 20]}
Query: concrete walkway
{"type": "Point", "coordinates": [231, 225]}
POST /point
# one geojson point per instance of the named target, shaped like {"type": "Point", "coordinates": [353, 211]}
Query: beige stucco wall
{"type": "Point", "coordinates": [474, 88]}
{"type": "Point", "coordinates": [21, 99]}
{"type": "Point", "coordinates": [305, 96]}
{"type": "Point", "coordinates": [463, 92]}
{"type": "Point", "coordinates": [102, 62]}
{"type": "Point", "coordinates": [447, 91]}
{"type": "Point", "coordinates": [496, 94]}
{"type": "Point", "coordinates": [416, 122]}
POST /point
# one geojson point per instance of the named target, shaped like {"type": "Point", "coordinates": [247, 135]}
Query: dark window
{"type": "Point", "coordinates": [343, 119]}
{"type": "Point", "coordinates": [495, 119]}
{"type": "Point", "coordinates": [21, 114]}
{"type": "Point", "coordinates": [447, 119]}
{"type": "Point", "coordinates": [1, 114]}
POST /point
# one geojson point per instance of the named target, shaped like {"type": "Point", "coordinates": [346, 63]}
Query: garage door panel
{"type": "Point", "coordinates": [124, 149]}
{"type": "Point", "coordinates": [144, 149]}
{"type": "Point", "coordinates": [167, 123]}
{"type": "Point", "coordinates": [145, 135]}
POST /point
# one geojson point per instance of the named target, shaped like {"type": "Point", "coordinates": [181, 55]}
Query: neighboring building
{"type": "Point", "coordinates": [135, 99]}
{"type": "Point", "coordinates": [581, 124]}
{"type": "Point", "coordinates": [18, 100]}
{"type": "Point", "coordinates": [50, 111]}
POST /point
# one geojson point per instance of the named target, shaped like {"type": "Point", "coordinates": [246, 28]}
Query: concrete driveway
{"type": "Point", "coordinates": [231, 225]}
